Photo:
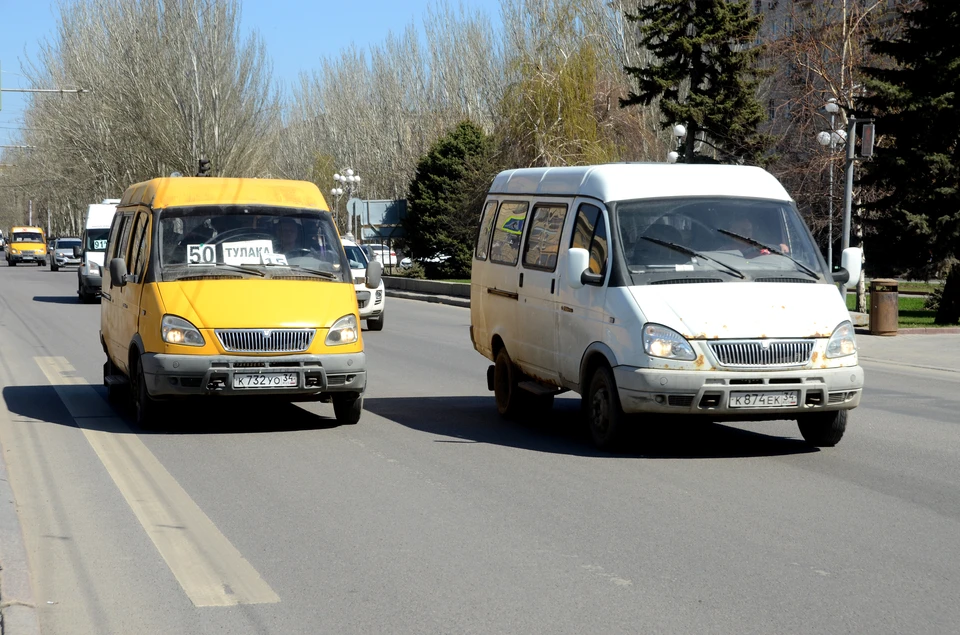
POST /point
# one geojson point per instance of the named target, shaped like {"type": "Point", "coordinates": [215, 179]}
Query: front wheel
{"type": "Point", "coordinates": [147, 410]}
{"type": "Point", "coordinates": [605, 416]}
{"type": "Point", "coordinates": [375, 324]}
{"type": "Point", "coordinates": [53, 266]}
{"type": "Point", "coordinates": [347, 408]}
{"type": "Point", "coordinates": [823, 429]}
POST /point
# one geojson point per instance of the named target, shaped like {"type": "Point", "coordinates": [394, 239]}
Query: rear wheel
{"type": "Point", "coordinates": [823, 429]}
{"type": "Point", "coordinates": [347, 408]}
{"type": "Point", "coordinates": [375, 324]}
{"type": "Point", "coordinates": [601, 404]}
{"type": "Point", "coordinates": [506, 377]}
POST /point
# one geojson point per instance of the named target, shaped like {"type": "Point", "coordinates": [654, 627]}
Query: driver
{"type": "Point", "coordinates": [291, 237]}
{"type": "Point", "coordinates": [743, 226]}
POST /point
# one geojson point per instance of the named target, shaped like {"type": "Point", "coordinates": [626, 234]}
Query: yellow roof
{"type": "Point", "coordinates": [181, 191]}
{"type": "Point", "coordinates": [25, 228]}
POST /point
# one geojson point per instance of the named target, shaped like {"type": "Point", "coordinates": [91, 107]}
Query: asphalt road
{"type": "Point", "coordinates": [434, 516]}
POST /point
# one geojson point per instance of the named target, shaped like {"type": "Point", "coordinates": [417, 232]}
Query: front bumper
{"type": "Point", "coordinates": [370, 301]}
{"type": "Point", "coordinates": [26, 258]}
{"type": "Point", "coordinates": [708, 392]}
{"type": "Point", "coordinates": [66, 261]}
{"type": "Point", "coordinates": [91, 282]}
{"type": "Point", "coordinates": [317, 375]}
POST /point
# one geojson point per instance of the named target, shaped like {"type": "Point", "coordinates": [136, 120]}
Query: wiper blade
{"type": "Point", "coordinates": [756, 243]}
{"type": "Point", "coordinates": [317, 272]}
{"type": "Point", "coordinates": [691, 252]}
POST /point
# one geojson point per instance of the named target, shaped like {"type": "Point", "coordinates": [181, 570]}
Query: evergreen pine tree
{"type": "Point", "coordinates": [443, 211]}
{"type": "Point", "coordinates": [704, 73]}
{"type": "Point", "coordinates": [917, 165]}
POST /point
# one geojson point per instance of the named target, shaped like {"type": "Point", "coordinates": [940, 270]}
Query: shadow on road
{"type": "Point", "coordinates": [57, 299]}
{"type": "Point", "coordinates": [562, 431]}
{"type": "Point", "coordinates": [200, 416]}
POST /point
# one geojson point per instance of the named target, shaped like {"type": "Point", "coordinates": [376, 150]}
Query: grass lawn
{"type": "Point", "coordinates": [921, 287]}
{"type": "Point", "coordinates": [910, 313]}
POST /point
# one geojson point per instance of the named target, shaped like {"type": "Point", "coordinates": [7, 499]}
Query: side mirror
{"type": "Point", "coordinates": [78, 252]}
{"type": "Point", "coordinates": [578, 261]}
{"type": "Point", "coordinates": [850, 264]}
{"type": "Point", "coordinates": [118, 272]}
{"type": "Point", "coordinates": [374, 274]}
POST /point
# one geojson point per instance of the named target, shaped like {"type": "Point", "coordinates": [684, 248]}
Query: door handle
{"type": "Point", "coordinates": [566, 309]}
{"type": "Point", "coordinates": [521, 279]}
{"type": "Point", "coordinates": [553, 284]}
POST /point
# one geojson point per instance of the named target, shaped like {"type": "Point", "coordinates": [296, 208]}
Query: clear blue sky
{"type": "Point", "coordinates": [297, 34]}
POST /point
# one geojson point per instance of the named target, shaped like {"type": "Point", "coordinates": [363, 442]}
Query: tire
{"type": "Point", "coordinates": [41, 263]}
{"type": "Point", "coordinates": [601, 404]}
{"type": "Point", "coordinates": [375, 324]}
{"type": "Point", "coordinates": [53, 266]}
{"type": "Point", "coordinates": [823, 429]}
{"type": "Point", "coordinates": [115, 393]}
{"type": "Point", "coordinates": [347, 408]}
{"type": "Point", "coordinates": [147, 411]}
{"type": "Point", "coordinates": [11, 263]}
{"type": "Point", "coordinates": [509, 396]}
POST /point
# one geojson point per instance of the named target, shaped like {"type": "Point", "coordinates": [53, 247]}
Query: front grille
{"type": "Point", "coordinates": [763, 354]}
{"type": "Point", "coordinates": [265, 340]}
{"type": "Point", "coordinates": [680, 400]}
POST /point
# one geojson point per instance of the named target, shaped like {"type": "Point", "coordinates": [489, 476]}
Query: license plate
{"type": "Point", "coordinates": [265, 380]}
{"type": "Point", "coordinates": [779, 399]}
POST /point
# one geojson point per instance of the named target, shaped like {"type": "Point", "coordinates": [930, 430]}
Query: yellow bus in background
{"type": "Point", "coordinates": [26, 245]}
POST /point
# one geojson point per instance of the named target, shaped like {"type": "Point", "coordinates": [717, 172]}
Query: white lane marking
{"type": "Point", "coordinates": [208, 567]}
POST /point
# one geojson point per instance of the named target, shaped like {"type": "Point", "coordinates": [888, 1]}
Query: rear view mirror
{"type": "Point", "coordinates": [77, 251]}
{"type": "Point", "coordinates": [578, 261]}
{"type": "Point", "coordinates": [850, 263]}
{"type": "Point", "coordinates": [118, 272]}
{"type": "Point", "coordinates": [374, 274]}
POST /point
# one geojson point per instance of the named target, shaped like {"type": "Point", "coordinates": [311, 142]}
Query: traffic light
{"type": "Point", "coordinates": [204, 167]}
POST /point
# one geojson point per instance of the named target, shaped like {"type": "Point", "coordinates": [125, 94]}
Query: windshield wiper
{"type": "Point", "coordinates": [317, 272]}
{"type": "Point", "coordinates": [760, 245]}
{"type": "Point", "coordinates": [691, 252]}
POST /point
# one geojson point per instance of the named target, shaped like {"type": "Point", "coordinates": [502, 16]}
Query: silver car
{"type": "Point", "coordinates": [61, 253]}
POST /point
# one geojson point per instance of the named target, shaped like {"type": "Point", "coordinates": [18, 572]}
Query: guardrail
{"type": "Point", "coordinates": [432, 287]}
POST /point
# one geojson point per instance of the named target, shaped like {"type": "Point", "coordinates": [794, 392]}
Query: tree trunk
{"type": "Point", "coordinates": [949, 311]}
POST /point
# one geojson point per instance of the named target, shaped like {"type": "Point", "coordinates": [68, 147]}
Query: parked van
{"type": "Point", "coordinates": [230, 288]}
{"type": "Point", "coordinates": [94, 245]}
{"type": "Point", "coordinates": [658, 289]}
{"type": "Point", "coordinates": [26, 245]}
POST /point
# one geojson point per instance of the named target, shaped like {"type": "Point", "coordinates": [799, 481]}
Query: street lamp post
{"type": "Point", "coordinates": [679, 131]}
{"type": "Point", "coordinates": [351, 181]}
{"type": "Point", "coordinates": [830, 138]}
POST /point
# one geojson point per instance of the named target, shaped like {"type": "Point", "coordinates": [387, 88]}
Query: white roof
{"type": "Point", "coordinates": [626, 181]}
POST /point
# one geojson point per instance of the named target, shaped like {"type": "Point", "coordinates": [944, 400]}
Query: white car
{"type": "Point", "coordinates": [371, 301]}
{"type": "Point", "coordinates": [383, 253]}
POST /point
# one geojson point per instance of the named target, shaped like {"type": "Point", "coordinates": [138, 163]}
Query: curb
{"type": "Point", "coordinates": [427, 297]}
{"type": "Point", "coordinates": [18, 613]}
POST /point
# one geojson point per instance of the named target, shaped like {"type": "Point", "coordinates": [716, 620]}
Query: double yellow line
{"type": "Point", "coordinates": [208, 567]}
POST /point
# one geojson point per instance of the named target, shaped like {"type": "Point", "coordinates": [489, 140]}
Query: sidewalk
{"type": "Point", "coordinates": [921, 350]}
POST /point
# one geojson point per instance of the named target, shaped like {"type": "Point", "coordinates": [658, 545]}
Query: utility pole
{"type": "Point", "coordinates": [35, 90]}
{"type": "Point", "coordinates": [30, 213]}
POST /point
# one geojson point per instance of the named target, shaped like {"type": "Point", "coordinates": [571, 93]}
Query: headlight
{"type": "Point", "coordinates": [14, 251]}
{"type": "Point", "coordinates": [659, 341]}
{"type": "Point", "coordinates": [343, 331]}
{"type": "Point", "coordinates": [178, 331]}
{"type": "Point", "coordinates": [842, 342]}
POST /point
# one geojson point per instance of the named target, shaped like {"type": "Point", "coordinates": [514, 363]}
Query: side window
{"type": "Point", "coordinates": [590, 233]}
{"type": "Point", "coordinates": [116, 237]}
{"type": "Point", "coordinates": [543, 239]}
{"type": "Point", "coordinates": [123, 238]}
{"type": "Point", "coordinates": [486, 224]}
{"type": "Point", "coordinates": [138, 250]}
{"type": "Point", "coordinates": [508, 232]}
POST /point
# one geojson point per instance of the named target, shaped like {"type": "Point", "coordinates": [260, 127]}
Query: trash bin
{"type": "Point", "coordinates": [884, 308]}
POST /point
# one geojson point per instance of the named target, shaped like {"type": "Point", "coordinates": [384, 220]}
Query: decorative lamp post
{"type": "Point", "coordinates": [831, 138]}
{"type": "Point", "coordinates": [351, 182]}
{"type": "Point", "coordinates": [679, 131]}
